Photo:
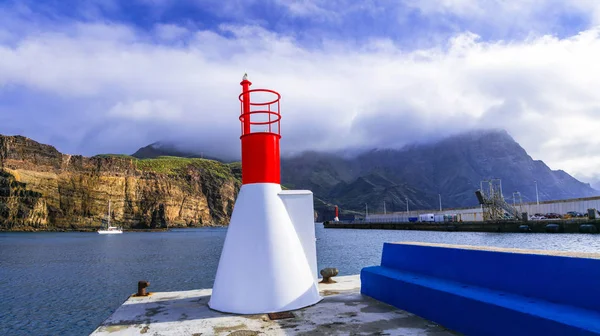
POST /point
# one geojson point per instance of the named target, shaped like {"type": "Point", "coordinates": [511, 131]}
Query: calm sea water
{"type": "Point", "coordinates": [68, 283]}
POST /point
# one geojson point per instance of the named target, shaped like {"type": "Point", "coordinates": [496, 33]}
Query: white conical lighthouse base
{"type": "Point", "coordinates": [263, 266]}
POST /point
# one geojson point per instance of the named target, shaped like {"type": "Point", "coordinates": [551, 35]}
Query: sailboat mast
{"type": "Point", "coordinates": [108, 213]}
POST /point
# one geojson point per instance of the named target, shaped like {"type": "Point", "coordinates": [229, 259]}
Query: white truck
{"type": "Point", "coordinates": [426, 218]}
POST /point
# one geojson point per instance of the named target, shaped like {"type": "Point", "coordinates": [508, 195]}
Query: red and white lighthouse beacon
{"type": "Point", "coordinates": [268, 263]}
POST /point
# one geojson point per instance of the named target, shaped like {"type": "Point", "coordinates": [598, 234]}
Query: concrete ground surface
{"type": "Point", "coordinates": [343, 311]}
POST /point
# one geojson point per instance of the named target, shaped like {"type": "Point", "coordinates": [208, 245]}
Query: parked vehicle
{"type": "Point", "coordinates": [426, 218]}
{"type": "Point", "coordinates": [537, 217]}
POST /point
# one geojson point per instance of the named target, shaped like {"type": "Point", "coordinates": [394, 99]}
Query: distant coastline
{"type": "Point", "coordinates": [94, 229]}
{"type": "Point", "coordinates": [24, 230]}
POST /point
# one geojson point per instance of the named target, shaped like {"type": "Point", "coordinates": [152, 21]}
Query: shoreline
{"type": "Point", "coordinates": [95, 229]}
{"type": "Point", "coordinates": [542, 226]}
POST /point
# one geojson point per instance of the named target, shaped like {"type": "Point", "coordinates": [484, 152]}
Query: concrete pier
{"type": "Point", "coordinates": [563, 226]}
{"type": "Point", "coordinates": [343, 311]}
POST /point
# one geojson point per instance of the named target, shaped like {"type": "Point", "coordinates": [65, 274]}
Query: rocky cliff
{"type": "Point", "coordinates": [43, 189]}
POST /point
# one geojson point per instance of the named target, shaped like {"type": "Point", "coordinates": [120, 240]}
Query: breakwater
{"type": "Point", "coordinates": [542, 226]}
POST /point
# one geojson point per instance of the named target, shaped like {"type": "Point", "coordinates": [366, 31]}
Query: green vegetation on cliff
{"type": "Point", "coordinates": [173, 165]}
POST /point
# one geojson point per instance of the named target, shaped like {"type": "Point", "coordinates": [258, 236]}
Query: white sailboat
{"type": "Point", "coordinates": [110, 229]}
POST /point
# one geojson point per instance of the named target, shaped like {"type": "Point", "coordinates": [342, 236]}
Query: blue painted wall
{"type": "Point", "coordinates": [470, 316]}
{"type": "Point", "coordinates": [567, 280]}
{"type": "Point", "coordinates": [478, 292]}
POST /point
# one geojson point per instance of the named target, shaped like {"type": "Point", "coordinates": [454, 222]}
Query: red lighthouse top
{"type": "Point", "coordinates": [259, 119]}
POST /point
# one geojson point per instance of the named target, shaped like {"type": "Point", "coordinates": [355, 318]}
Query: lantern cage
{"type": "Point", "coordinates": [265, 118]}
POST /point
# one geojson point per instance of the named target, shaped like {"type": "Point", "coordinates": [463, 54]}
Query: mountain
{"type": "Point", "coordinates": [43, 189]}
{"type": "Point", "coordinates": [450, 169]}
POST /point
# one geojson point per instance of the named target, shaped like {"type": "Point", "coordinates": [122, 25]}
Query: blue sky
{"type": "Point", "coordinates": [408, 23]}
{"type": "Point", "coordinates": [97, 76]}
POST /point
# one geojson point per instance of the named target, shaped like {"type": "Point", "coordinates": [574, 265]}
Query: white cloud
{"type": "Point", "coordinates": [542, 90]}
{"type": "Point", "coordinates": [315, 9]}
{"type": "Point", "coordinates": [156, 110]}
{"type": "Point", "coordinates": [170, 32]}
{"type": "Point", "coordinates": [506, 11]}
{"type": "Point", "coordinates": [496, 19]}
{"type": "Point", "coordinates": [501, 19]}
